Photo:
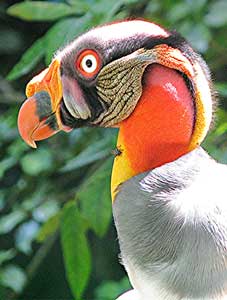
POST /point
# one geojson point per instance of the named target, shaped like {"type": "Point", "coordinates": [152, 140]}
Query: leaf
{"type": "Point", "coordinates": [92, 153]}
{"type": "Point", "coordinates": [8, 222]}
{"type": "Point", "coordinates": [25, 235]}
{"type": "Point", "coordinates": [49, 228]}
{"type": "Point", "coordinates": [221, 88]}
{"type": "Point", "coordinates": [6, 255]}
{"type": "Point", "coordinates": [80, 5]}
{"type": "Point", "coordinates": [77, 257]}
{"type": "Point", "coordinates": [178, 11]}
{"type": "Point", "coordinates": [39, 11]}
{"type": "Point", "coordinates": [109, 290]}
{"type": "Point", "coordinates": [217, 15]}
{"type": "Point", "coordinates": [6, 164]}
{"type": "Point", "coordinates": [29, 59]}
{"type": "Point", "coordinates": [64, 32]}
{"type": "Point", "coordinates": [45, 210]}
{"type": "Point", "coordinates": [36, 162]}
{"type": "Point", "coordinates": [95, 198]}
{"type": "Point", "coordinates": [197, 34]}
{"type": "Point", "coordinates": [13, 277]}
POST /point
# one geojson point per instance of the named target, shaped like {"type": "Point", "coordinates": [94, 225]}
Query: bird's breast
{"type": "Point", "coordinates": [172, 229]}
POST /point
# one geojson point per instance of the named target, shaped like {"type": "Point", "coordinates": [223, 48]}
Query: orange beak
{"type": "Point", "coordinates": [39, 116]}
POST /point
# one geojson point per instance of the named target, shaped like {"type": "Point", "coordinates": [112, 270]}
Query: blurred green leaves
{"type": "Point", "coordinates": [36, 162]}
{"type": "Point", "coordinates": [8, 222]}
{"type": "Point", "coordinates": [37, 187]}
{"type": "Point", "coordinates": [75, 247]}
{"type": "Point", "coordinates": [13, 277]}
{"type": "Point", "coordinates": [6, 255]}
{"type": "Point", "coordinates": [40, 11]}
{"type": "Point", "coordinates": [49, 228]}
{"type": "Point", "coordinates": [217, 16]}
{"type": "Point", "coordinates": [110, 290]}
{"type": "Point", "coordinates": [63, 32]}
{"type": "Point", "coordinates": [28, 61]}
{"type": "Point", "coordinates": [95, 198]}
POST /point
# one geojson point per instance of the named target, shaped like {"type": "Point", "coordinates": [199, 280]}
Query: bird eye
{"type": "Point", "coordinates": [88, 63]}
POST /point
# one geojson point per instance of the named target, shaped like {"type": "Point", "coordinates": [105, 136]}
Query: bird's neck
{"type": "Point", "coordinates": [160, 128]}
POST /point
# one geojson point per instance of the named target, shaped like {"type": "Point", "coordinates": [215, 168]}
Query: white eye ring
{"type": "Point", "coordinates": [89, 63]}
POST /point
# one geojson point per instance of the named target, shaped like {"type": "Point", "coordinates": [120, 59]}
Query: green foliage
{"type": "Point", "coordinates": [37, 186]}
{"type": "Point", "coordinates": [8, 222]}
{"type": "Point", "coordinates": [39, 11]}
{"type": "Point", "coordinates": [36, 162]}
{"type": "Point", "coordinates": [110, 290]}
{"type": "Point", "coordinates": [49, 228]}
{"type": "Point", "coordinates": [13, 277]}
{"type": "Point", "coordinates": [6, 255]}
{"type": "Point", "coordinates": [95, 199]}
{"type": "Point", "coordinates": [28, 61]}
{"type": "Point", "coordinates": [63, 32]}
{"type": "Point", "coordinates": [75, 247]}
{"type": "Point", "coordinates": [216, 16]}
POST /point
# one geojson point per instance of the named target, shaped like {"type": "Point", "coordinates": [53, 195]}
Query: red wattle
{"type": "Point", "coordinates": [160, 128]}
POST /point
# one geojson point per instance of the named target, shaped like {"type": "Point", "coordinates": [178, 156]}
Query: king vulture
{"type": "Point", "coordinates": [169, 196]}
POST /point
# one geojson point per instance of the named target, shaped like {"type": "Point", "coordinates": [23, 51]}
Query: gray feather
{"type": "Point", "coordinates": [172, 226]}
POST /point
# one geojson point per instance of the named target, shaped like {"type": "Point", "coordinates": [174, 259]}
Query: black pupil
{"type": "Point", "coordinates": [88, 63]}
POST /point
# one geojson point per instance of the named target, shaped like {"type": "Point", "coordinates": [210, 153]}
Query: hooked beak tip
{"type": "Point", "coordinates": [33, 127]}
{"type": "Point", "coordinates": [27, 121]}
{"type": "Point", "coordinates": [32, 144]}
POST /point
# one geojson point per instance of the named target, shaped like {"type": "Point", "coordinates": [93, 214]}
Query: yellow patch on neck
{"type": "Point", "coordinates": [122, 170]}
{"type": "Point", "coordinates": [203, 105]}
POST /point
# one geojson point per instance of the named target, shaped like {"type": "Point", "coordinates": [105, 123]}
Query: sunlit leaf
{"type": "Point", "coordinates": [13, 277]}
{"type": "Point", "coordinates": [95, 198]}
{"type": "Point", "coordinates": [80, 5]}
{"type": "Point", "coordinates": [48, 228]}
{"type": "Point", "coordinates": [25, 234]}
{"type": "Point", "coordinates": [196, 5]}
{"type": "Point", "coordinates": [29, 59]}
{"type": "Point", "coordinates": [197, 34]}
{"type": "Point", "coordinates": [178, 11]}
{"type": "Point", "coordinates": [110, 290]}
{"type": "Point", "coordinates": [36, 162]}
{"type": "Point", "coordinates": [217, 15]}
{"type": "Point", "coordinates": [39, 10]}
{"type": "Point", "coordinates": [8, 222]}
{"type": "Point", "coordinates": [46, 210]}
{"type": "Point", "coordinates": [76, 251]}
{"type": "Point", "coordinates": [6, 255]}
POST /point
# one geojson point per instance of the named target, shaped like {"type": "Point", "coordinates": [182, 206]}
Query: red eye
{"type": "Point", "coordinates": [88, 63]}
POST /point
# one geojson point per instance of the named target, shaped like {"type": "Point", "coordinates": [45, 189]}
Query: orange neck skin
{"type": "Point", "coordinates": [160, 128]}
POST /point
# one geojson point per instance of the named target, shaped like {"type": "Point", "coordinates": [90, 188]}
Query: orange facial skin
{"type": "Point", "coordinates": [160, 128]}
